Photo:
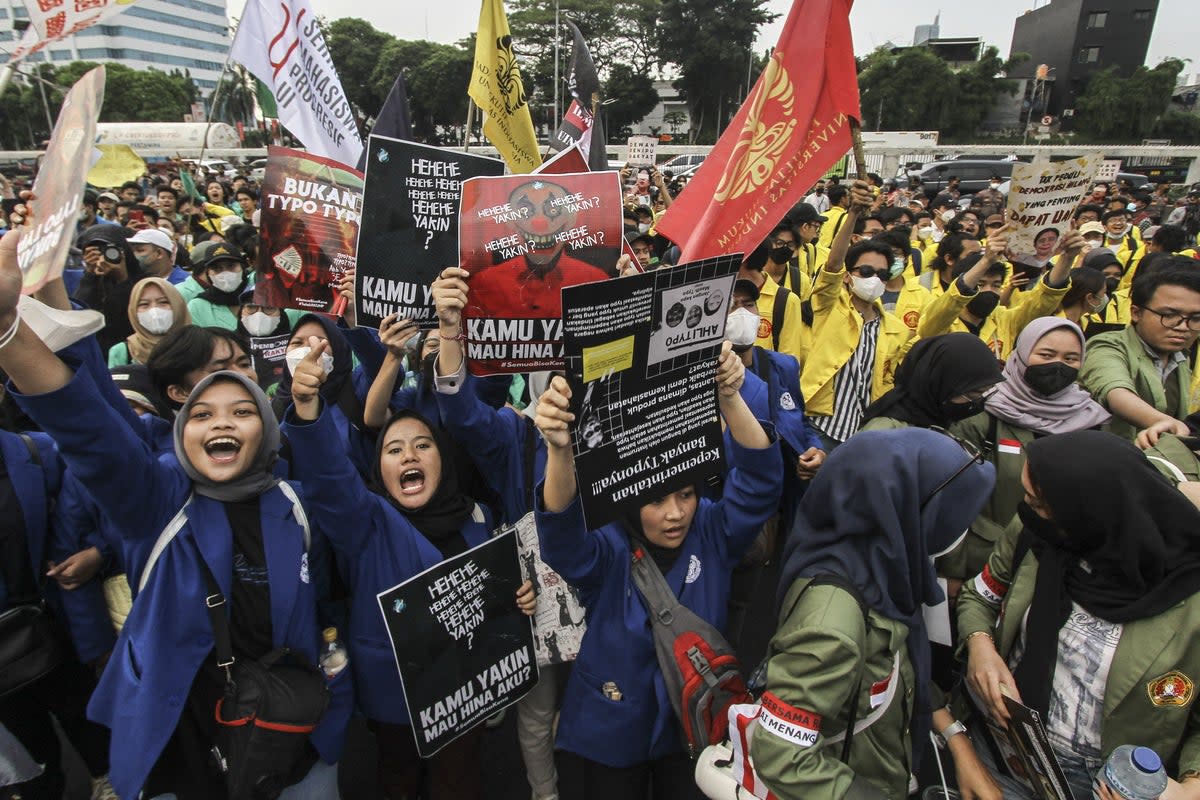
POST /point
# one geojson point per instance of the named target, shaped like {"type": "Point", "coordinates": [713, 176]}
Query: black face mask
{"type": "Point", "coordinates": [983, 304]}
{"type": "Point", "coordinates": [1112, 284]}
{"type": "Point", "coordinates": [1045, 529]}
{"type": "Point", "coordinates": [956, 412]}
{"type": "Point", "coordinates": [780, 255]}
{"type": "Point", "coordinates": [1050, 379]}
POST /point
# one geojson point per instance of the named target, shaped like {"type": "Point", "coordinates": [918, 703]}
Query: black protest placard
{"type": "Point", "coordinates": [409, 228]}
{"type": "Point", "coordinates": [463, 648]}
{"type": "Point", "coordinates": [269, 354]}
{"type": "Point", "coordinates": [641, 355]}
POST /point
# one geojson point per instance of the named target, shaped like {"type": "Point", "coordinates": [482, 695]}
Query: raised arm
{"type": "Point", "coordinates": [393, 333]}
{"type": "Point", "coordinates": [861, 200]}
{"type": "Point", "coordinates": [553, 420]}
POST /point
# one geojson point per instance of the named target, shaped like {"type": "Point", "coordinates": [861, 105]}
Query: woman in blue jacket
{"type": "Point", "coordinates": [416, 517]}
{"type": "Point", "coordinates": [159, 690]}
{"type": "Point", "coordinates": [618, 735]}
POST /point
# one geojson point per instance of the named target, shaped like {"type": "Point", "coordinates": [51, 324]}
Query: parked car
{"type": "Point", "coordinates": [974, 174]}
{"type": "Point", "coordinates": [684, 164]}
{"type": "Point", "coordinates": [257, 170]}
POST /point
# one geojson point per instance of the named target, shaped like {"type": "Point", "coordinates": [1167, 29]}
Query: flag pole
{"type": "Point", "coordinates": [216, 95]}
{"type": "Point", "coordinates": [470, 123]}
{"type": "Point", "coordinates": [860, 157]}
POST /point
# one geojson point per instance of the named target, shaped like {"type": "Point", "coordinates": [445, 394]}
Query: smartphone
{"type": "Point", "coordinates": [137, 215]}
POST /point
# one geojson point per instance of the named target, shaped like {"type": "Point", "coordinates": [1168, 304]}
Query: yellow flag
{"type": "Point", "coordinates": [497, 89]}
{"type": "Point", "coordinates": [119, 163]}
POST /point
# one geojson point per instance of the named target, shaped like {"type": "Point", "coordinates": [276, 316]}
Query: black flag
{"type": "Point", "coordinates": [582, 80]}
{"type": "Point", "coordinates": [392, 120]}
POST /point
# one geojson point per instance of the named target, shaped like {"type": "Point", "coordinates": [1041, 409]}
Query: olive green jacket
{"type": "Point", "coordinates": [815, 660]}
{"type": "Point", "coordinates": [1118, 360]}
{"type": "Point", "coordinates": [884, 424]}
{"type": "Point", "coordinates": [1180, 453]}
{"type": "Point", "coordinates": [966, 560]}
{"type": "Point", "coordinates": [1163, 647]}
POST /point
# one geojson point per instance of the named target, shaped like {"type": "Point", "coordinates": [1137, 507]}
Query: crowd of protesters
{"type": "Point", "coordinates": [918, 423]}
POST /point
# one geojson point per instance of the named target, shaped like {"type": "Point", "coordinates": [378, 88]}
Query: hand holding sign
{"type": "Point", "coordinates": [731, 372]}
{"type": "Point", "coordinates": [308, 379]}
{"type": "Point", "coordinates": [553, 414]}
{"type": "Point", "coordinates": [449, 293]}
{"type": "Point", "coordinates": [10, 279]}
{"type": "Point", "coordinates": [394, 333]}
{"type": "Point", "coordinates": [1071, 244]}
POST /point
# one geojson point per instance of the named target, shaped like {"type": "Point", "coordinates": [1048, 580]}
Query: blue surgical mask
{"type": "Point", "coordinates": [1131, 207]}
{"type": "Point", "coordinates": [897, 267]}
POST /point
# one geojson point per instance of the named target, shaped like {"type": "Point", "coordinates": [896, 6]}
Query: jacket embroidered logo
{"type": "Point", "coordinates": [1172, 689]}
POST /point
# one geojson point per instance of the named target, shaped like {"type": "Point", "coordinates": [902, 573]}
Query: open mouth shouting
{"type": "Point", "coordinates": [412, 482]}
{"type": "Point", "coordinates": [223, 449]}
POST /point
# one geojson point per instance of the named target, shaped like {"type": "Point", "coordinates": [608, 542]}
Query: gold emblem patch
{"type": "Point", "coordinates": [1172, 689]}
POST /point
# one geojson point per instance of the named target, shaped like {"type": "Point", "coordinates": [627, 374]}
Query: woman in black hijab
{"type": "Point", "coordinates": [942, 380]}
{"type": "Point", "coordinates": [414, 517]}
{"type": "Point", "coordinates": [1098, 586]}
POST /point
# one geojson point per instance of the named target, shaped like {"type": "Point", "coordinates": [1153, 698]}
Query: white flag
{"type": "Point", "coordinates": [281, 43]}
{"type": "Point", "coordinates": [52, 20]}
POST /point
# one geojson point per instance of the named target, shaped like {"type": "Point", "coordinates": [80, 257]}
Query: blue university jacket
{"type": "Point", "coordinates": [35, 485]}
{"type": "Point", "coordinates": [618, 646]}
{"type": "Point", "coordinates": [379, 547]}
{"type": "Point", "coordinates": [168, 634]}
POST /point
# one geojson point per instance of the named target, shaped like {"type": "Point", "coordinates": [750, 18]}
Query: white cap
{"type": "Point", "coordinates": [155, 237]}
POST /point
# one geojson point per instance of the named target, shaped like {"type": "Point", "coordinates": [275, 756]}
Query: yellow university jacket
{"type": "Point", "coordinates": [834, 218]}
{"type": "Point", "coordinates": [793, 339]}
{"type": "Point", "coordinates": [835, 333]}
{"type": "Point", "coordinates": [1002, 327]}
{"type": "Point", "coordinates": [911, 303]}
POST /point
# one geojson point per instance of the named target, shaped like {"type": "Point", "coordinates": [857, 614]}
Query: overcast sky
{"type": "Point", "coordinates": [1176, 29]}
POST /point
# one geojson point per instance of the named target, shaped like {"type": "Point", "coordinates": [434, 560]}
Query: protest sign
{"type": "Point", "coordinates": [269, 355]}
{"type": "Point", "coordinates": [58, 188]}
{"type": "Point", "coordinates": [572, 159]}
{"type": "Point", "coordinates": [310, 214]}
{"type": "Point", "coordinates": [118, 163]}
{"type": "Point", "coordinates": [641, 150]}
{"type": "Point", "coordinates": [410, 226]}
{"type": "Point", "coordinates": [1109, 168]}
{"type": "Point", "coordinates": [1042, 199]}
{"type": "Point", "coordinates": [641, 357]}
{"type": "Point", "coordinates": [558, 624]}
{"type": "Point", "coordinates": [524, 238]}
{"type": "Point", "coordinates": [463, 648]}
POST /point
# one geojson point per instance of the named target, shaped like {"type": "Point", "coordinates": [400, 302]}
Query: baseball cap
{"type": "Point", "coordinates": [1091, 227]}
{"type": "Point", "coordinates": [1100, 258]}
{"type": "Point", "coordinates": [206, 253]}
{"type": "Point", "coordinates": [155, 237]}
{"type": "Point", "coordinates": [746, 287]}
{"type": "Point", "coordinates": [804, 212]}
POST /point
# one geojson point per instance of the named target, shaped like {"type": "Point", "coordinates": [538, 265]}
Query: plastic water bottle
{"type": "Point", "coordinates": [1134, 773]}
{"type": "Point", "coordinates": [333, 655]}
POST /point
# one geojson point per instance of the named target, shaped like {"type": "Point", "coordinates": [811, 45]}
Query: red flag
{"type": "Point", "coordinates": [791, 129]}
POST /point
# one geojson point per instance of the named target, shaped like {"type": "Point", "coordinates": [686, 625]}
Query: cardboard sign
{"type": "Point", "coordinates": [1042, 199]}
{"type": "Point", "coordinates": [410, 226]}
{"type": "Point", "coordinates": [641, 358]}
{"type": "Point", "coordinates": [642, 150]}
{"type": "Point", "coordinates": [524, 238]}
{"type": "Point", "coordinates": [58, 188]}
{"type": "Point", "coordinates": [463, 648]}
{"type": "Point", "coordinates": [309, 226]}
{"type": "Point", "coordinates": [558, 623]}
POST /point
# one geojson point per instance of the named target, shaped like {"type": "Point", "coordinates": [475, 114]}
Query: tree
{"type": "Point", "coordinates": [911, 90]}
{"type": "Point", "coordinates": [436, 76]}
{"type": "Point", "coordinates": [1178, 126]}
{"type": "Point", "coordinates": [977, 87]}
{"type": "Point", "coordinates": [131, 95]}
{"type": "Point", "coordinates": [674, 119]}
{"type": "Point", "coordinates": [1126, 109]}
{"type": "Point", "coordinates": [711, 41]}
{"type": "Point", "coordinates": [237, 100]}
{"type": "Point", "coordinates": [631, 96]}
{"type": "Point", "coordinates": [355, 47]}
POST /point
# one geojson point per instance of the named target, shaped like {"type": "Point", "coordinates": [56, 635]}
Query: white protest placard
{"type": "Point", "coordinates": [642, 150]}
{"type": "Point", "coordinates": [1109, 168]}
{"type": "Point", "coordinates": [1042, 199]}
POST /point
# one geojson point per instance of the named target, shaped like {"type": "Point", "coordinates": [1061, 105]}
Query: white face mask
{"type": "Point", "coordinates": [924, 232]}
{"type": "Point", "coordinates": [947, 216]}
{"type": "Point", "coordinates": [227, 281]}
{"type": "Point", "coordinates": [741, 327]}
{"type": "Point", "coordinates": [994, 185]}
{"type": "Point", "coordinates": [937, 235]}
{"type": "Point", "coordinates": [156, 320]}
{"type": "Point", "coordinates": [643, 227]}
{"type": "Point", "coordinates": [294, 357]}
{"type": "Point", "coordinates": [869, 289]}
{"type": "Point", "coordinates": [260, 324]}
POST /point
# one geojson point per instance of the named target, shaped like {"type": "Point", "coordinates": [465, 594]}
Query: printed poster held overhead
{"type": "Point", "coordinates": [410, 226]}
{"type": "Point", "coordinates": [463, 648]}
{"type": "Point", "coordinates": [310, 214]}
{"type": "Point", "coordinates": [641, 358]}
{"type": "Point", "coordinates": [1042, 199]}
{"type": "Point", "coordinates": [523, 239]}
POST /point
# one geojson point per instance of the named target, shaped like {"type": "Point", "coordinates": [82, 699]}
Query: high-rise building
{"type": "Point", "coordinates": [187, 35]}
{"type": "Point", "coordinates": [1078, 38]}
{"type": "Point", "coordinates": [923, 33]}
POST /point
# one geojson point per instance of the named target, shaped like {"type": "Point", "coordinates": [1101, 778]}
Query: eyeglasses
{"type": "Point", "coordinates": [973, 457]}
{"type": "Point", "coordinates": [868, 272]}
{"type": "Point", "coordinates": [788, 243]}
{"type": "Point", "coordinates": [1171, 319]}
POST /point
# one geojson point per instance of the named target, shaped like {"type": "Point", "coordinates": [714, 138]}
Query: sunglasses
{"type": "Point", "coordinates": [973, 457]}
{"type": "Point", "coordinates": [867, 272]}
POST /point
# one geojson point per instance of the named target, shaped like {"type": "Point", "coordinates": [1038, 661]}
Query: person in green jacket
{"type": "Point", "coordinates": [1142, 374]}
{"type": "Point", "coordinates": [943, 379]}
{"type": "Point", "coordinates": [1039, 397]}
{"type": "Point", "coordinates": [1087, 612]}
{"type": "Point", "coordinates": [851, 641]}
{"type": "Point", "coordinates": [227, 274]}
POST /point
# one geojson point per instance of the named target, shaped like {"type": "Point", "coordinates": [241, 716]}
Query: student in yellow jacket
{"type": "Point", "coordinates": [903, 295]}
{"type": "Point", "coordinates": [806, 225]}
{"type": "Point", "coordinates": [937, 273]}
{"type": "Point", "coordinates": [781, 323]}
{"type": "Point", "coordinates": [1099, 581]}
{"type": "Point", "coordinates": [856, 345]}
{"type": "Point", "coordinates": [971, 304]}
{"type": "Point", "coordinates": [835, 217]}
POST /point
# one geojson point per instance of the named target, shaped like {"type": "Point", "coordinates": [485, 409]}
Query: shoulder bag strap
{"type": "Point", "coordinates": [529, 455]}
{"type": "Point", "coordinates": [778, 314]}
{"type": "Point", "coordinates": [32, 447]}
{"type": "Point", "coordinates": [297, 512]}
{"type": "Point", "coordinates": [653, 587]}
{"type": "Point", "coordinates": [214, 601]}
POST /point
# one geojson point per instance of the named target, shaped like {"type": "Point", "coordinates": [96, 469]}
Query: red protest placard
{"type": "Point", "coordinates": [523, 238]}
